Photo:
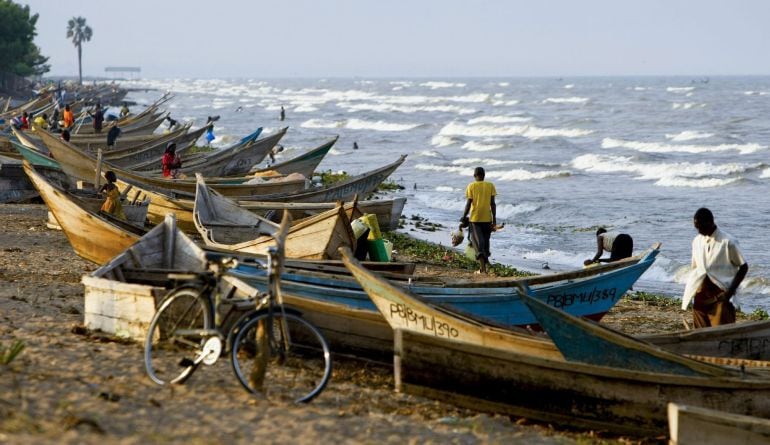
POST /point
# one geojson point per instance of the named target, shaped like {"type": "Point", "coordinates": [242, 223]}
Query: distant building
{"type": "Point", "coordinates": [123, 72]}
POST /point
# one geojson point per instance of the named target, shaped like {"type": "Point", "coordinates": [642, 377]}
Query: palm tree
{"type": "Point", "coordinates": [79, 32]}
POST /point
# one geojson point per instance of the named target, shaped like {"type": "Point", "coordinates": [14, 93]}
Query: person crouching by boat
{"type": "Point", "coordinates": [111, 203]}
{"type": "Point", "coordinates": [171, 162]}
{"type": "Point", "coordinates": [619, 245]}
{"type": "Point", "coordinates": [480, 203]}
{"type": "Point", "coordinates": [718, 268]}
{"type": "Point", "coordinates": [112, 135]}
{"type": "Point", "coordinates": [65, 135]}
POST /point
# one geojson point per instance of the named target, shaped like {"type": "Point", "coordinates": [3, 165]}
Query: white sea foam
{"type": "Point", "coordinates": [687, 105]}
{"type": "Point", "coordinates": [305, 109]}
{"type": "Point", "coordinates": [487, 162]}
{"type": "Point", "coordinates": [680, 89]}
{"type": "Point", "coordinates": [503, 84]}
{"type": "Point", "coordinates": [566, 100]}
{"type": "Point", "coordinates": [503, 175]}
{"type": "Point", "coordinates": [656, 170]}
{"type": "Point", "coordinates": [321, 123]}
{"type": "Point", "coordinates": [765, 174]}
{"type": "Point", "coordinates": [570, 259]}
{"type": "Point", "coordinates": [688, 135]}
{"type": "Point", "coordinates": [640, 88]}
{"type": "Point", "coordinates": [462, 171]}
{"type": "Point", "coordinates": [677, 174]}
{"type": "Point", "coordinates": [481, 146]}
{"type": "Point", "coordinates": [336, 152]}
{"type": "Point", "coordinates": [440, 140]}
{"type": "Point", "coordinates": [505, 211]}
{"type": "Point", "coordinates": [436, 85]}
{"type": "Point", "coordinates": [499, 119]}
{"type": "Point", "coordinates": [656, 147]}
{"type": "Point", "coordinates": [444, 188]}
{"type": "Point", "coordinates": [569, 86]}
{"type": "Point", "coordinates": [525, 175]}
{"type": "Point", "coordinates": [527, 131]}
{"type": "Point", "coordinates": [696, 183]}
{"type": "Point", "coordinates": [358, 124]}
{"type": "Point", "coordinates": [385, 107]}
{"type": "Point", "coordinates": [429, 153]}
{"type": "Point", "coordinates": [505, 103]}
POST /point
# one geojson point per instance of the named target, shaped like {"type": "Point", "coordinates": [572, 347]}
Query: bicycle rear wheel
{"type": "Point", "coordinates": [294, 363]}
{"type": "Point", "coordinates": [172, 343]}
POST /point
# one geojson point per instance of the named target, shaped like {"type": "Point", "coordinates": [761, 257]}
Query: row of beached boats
{"type": "Point", "coordinates": [523, 347]}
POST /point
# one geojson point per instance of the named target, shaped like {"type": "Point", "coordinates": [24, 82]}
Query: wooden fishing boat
{"type": "Point", "coordinates": [450, 356]}
{"type": "Point", "coordinates": [224, 225]}
{"type": "Point", "coordinates": [388, 211]}
{"type": "Point", "coordinates": [150, 167]}
{"type": "Point", "coordinates": [339, 306]}
{"type": "Point", "coordinates": [233, 161]}
{"type": "Point", "coordinates": [94, 237]}
{"type": "Point", "coordinates": [585, 341]}
{"type": "Point", "coordinates": [118, 300]}
{"type": "Point", "coordinates": [746, 340]}
{"type": "Point", "coordinates": [693, 425]}
{"type": "Point", "coordinates": [82, 165]}
{"type": "Point", "coordinates": [135, 129]}
{"type": "Point", "coordinates": [125, 144]}
{"type": "Point", "coordinates": [14, 185]}
{"type": "Point", "coordinates": [361, 185]}
{"type": "Point", "coordinates": [304, 164]}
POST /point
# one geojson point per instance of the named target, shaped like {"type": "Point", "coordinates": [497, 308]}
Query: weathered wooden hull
{"type": "Point", "coordinates": [304, 164]}
{"type": "Point", "coordinates": [692, 425]}
{"type": "Point", "coordinates": [442, 354]}
{"type": "Point", "coordinates": [82, 165]}
{"type": "Point", "coordinates": [93, 238]}
{"type": "Point", "coordinates": [361, 186]}
{"type": "Point", "coordinates": [223, 224]}
{"type": "Point", "coordinates": [748, 340]}
{"type": "Point", "coordinates": [137, 129]}
{"type": "Point", "coordinates": [124, 308]}
{"type": "Point", "coordinates": [14, 184]}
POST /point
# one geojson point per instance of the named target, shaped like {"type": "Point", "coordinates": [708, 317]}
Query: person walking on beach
{"type": "Point", "coordinates": [98, 118]}
{"type": "Point", "coordinates": [718, 268]}
{"type": "Point", "coordinates": [68, 117]}
{"type": "Point", "coordinates": [210, 131]}
{"type": "Point", "coordinates": [480, 203]}
{"type": "Point", "coordinates": [171, 162]}
{"type": "Point", "coordinates": [283, 113]}
{"type": "Point", "coordinates": [619, 245]}
{"type": "Point", "coordinates": [112, 135]}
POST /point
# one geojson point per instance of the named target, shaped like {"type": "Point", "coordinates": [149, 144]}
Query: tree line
{"type": "Point", "coordinates": [19, 56]}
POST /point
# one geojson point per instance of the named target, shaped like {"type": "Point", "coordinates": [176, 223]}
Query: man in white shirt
{"type": "Point", "coordinates": [718, 269]}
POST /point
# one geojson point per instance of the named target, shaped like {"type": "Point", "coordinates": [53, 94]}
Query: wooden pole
{"type": "Point", "coordinates": [98, 177]}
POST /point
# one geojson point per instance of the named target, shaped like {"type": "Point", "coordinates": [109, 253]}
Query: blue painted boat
{"type": "Point", "coordinates": [585, 293]}
{"type": "Point", "coordinates": [585, 341]}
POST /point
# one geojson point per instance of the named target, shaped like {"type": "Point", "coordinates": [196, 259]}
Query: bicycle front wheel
{"type": "Point", "coordinates": [291, 362]}
{"type": "Point", "coordinates": [173, 340]}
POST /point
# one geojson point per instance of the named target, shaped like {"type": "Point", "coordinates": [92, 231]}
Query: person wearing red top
{"type": "Point", "coordinates": [171, 162]}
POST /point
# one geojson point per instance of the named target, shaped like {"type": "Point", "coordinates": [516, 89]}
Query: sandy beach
{"type": "Point", "coordinates": [72, 386]}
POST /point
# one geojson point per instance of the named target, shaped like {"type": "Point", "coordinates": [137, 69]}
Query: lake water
{"type": "Point", "coordinates": [637, 155]}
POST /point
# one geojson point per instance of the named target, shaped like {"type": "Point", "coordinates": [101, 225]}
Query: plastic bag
{"type": "Point", "coordinates": [457, 237]}
{"type": "Point", "coordinates": [470, 252]}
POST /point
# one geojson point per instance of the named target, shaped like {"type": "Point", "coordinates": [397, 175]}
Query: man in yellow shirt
{"type": "Point", "coordinates": [480, 203]}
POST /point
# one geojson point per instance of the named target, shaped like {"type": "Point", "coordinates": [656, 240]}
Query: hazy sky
{"type": "Point", "coordinates": [395, 38]}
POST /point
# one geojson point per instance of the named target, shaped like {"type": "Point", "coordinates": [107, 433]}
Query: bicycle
{"type": "Point", "coordinates": [273, 351]}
